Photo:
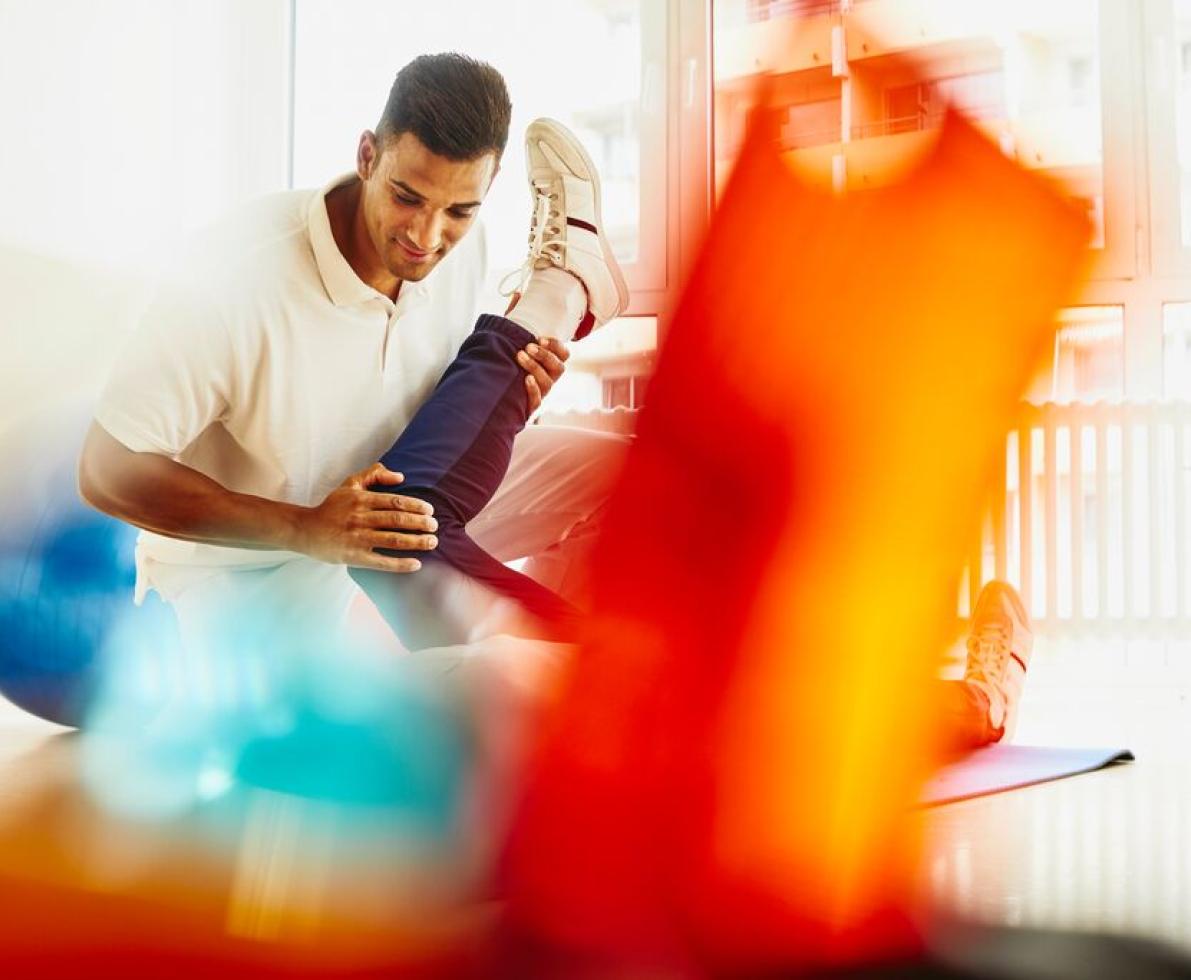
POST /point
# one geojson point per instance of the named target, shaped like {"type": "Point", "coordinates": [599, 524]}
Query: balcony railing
{"type": "Point", "coordinates": [1090, 518]}
{"type": "Point", "coordinates": [758, 10]}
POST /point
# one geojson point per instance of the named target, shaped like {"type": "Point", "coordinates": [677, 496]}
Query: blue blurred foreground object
{"type": "Point", "coordinates": [269, 700]}
{"type": "Point", "coordinates": [66, 571]}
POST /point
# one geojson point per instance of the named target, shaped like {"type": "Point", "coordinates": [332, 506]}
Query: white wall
{"type": "Point", "coordinates": [125, 125]}
{"type": "Point", "coordinates": [128, 121]}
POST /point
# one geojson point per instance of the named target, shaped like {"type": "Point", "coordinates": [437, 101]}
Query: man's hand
{"type": "Point", "coordinates": [162, 495]}
{"type": "Point", "coordinates": [353, 520]}
{"type": "Point", "coordinates": [544, 363]}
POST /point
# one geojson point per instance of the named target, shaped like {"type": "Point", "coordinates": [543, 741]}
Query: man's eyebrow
{"type": "Point", "coordinates": [402, 185]}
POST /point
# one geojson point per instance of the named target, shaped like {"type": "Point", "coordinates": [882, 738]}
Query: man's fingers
{"type": "Point", "coordinates": [397, 501]}
{"type": "Point", "coordinates": [386, 563]}
{"type": "Point", "coordinates": [534, 394]}
{"type": "Point", "coordinates": [401, 542]}
{"type": "Point", "coordinates": [376, 473]}
{"type": "Point", "coordinates": [400, 520]}
{"type": "Point", "coordinates": [536, 371]}
{"type": "Point", "coordinates": [556, 347]}
{"type": "Point", "coordinates": [549, 360]}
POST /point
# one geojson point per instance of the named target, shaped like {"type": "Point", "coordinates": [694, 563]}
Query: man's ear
{"type": "Point", "coordinates": [367, 154]}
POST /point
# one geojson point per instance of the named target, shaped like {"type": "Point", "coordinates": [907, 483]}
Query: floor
{"type": "Point", "coordinates": [1107, 851]}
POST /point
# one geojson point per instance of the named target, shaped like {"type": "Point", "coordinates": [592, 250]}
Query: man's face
{"type": "Point", "coordinates": [416, 204]}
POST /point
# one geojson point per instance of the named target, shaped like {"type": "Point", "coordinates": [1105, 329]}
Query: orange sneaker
{"type": "Point", "coordinates": [999, 648]}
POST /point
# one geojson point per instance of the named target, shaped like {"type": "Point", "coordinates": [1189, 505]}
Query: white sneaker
{"type": "Point", "coordinates": [567, 229]}
{"type": "Point", "coordinates": [999, 648]}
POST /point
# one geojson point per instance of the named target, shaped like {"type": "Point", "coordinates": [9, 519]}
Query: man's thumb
{"type": "Point", "coordinates": [379, 473]}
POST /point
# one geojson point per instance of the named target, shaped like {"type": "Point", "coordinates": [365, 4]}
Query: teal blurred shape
{"type": "Point", "coordinates": [406, 750]}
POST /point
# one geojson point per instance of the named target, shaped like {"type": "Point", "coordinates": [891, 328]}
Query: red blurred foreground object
{"type": "Point", "coordinates": [724, 784]}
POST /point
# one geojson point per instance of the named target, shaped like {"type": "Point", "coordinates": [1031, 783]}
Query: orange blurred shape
{"type": "Point", "coordinates": [725, 783]}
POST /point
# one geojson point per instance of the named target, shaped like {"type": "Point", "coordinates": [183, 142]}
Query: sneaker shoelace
{"type": "Point", "coordinates": [988, 654]}
{"type": "Point", "coordinates": [546, 240]}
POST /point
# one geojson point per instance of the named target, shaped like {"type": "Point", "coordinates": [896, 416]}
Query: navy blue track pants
{"type": "Point", "coordinates": [454, 454]}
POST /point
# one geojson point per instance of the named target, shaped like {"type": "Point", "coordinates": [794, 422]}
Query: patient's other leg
{"type": "Point", "coordinates": [982, 708]}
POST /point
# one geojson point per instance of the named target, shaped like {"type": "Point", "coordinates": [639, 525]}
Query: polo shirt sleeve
{"type": "Point", "coordinates": [173, 379]}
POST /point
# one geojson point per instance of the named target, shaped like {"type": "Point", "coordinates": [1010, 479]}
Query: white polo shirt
{"type": "Point", "coordinates": [272, 368]}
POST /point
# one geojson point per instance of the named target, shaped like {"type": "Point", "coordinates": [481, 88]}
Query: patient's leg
{"type": "Point", "coordinates": [966, 717]}
{"type": "Point", "coordinates": [982, 708]}
{"type": "Point", "coordinates": [454, 454]}
{"type": "Point", "coordinates": [456, 450]}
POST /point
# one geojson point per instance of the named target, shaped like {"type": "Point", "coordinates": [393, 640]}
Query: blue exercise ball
{"type": "Point", "coordinates": [66, 570]}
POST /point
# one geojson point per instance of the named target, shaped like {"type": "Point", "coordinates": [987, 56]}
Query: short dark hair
{"type": "Point", "coordinates": [456, 106]}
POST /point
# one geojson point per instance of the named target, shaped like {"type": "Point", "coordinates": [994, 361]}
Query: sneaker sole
{"type": "Point", "coordinates": [567, 145]}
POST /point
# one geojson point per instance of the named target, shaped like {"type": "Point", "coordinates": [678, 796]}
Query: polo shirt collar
{"type": "Point", "coordinates": [343, 286]}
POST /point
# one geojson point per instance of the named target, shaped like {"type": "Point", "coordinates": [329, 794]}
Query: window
{"type": "Point", "coordinates": [1183, 113]}
{"type": "Point", "coordinates": [1096, 96]}
{"type": "Point", "coordinates": [182, 124]}
{"type": "Point", "coordinates": [811, 124]}
{"type": "Point", "coordinates": [631, 87]}
{"type": "Point", "coordinates": [613, 93]}
{"type": "Point", "coordinates": [609, 370]}
{"type": "Point", "coordinates": [1086, 92]}
{"type": "Point", "coordinates": [618, 392]}
{"type": "Point", "coordinates": [625, 392]}
{"type": "Point", "coordinates": [848, 74]}
{"type": "Point", "coordinates": [1089, 355]}
{"type": "Point", "coordinates": [1167, 39]}
{"type": "Point", "coordinates": [1176, 344]}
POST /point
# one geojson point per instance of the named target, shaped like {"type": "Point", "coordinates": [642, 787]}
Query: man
{"type": "Point", "coordinates": [240, 429]}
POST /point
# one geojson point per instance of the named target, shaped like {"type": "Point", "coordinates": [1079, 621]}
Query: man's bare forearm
{"type": "Point", "coordinates": [347, 527]}
{"type": "Point", "coordinates": [159, 494]}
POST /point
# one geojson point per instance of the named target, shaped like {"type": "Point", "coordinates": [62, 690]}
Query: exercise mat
{"type": "Point", "coordinates": [997, 768]}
